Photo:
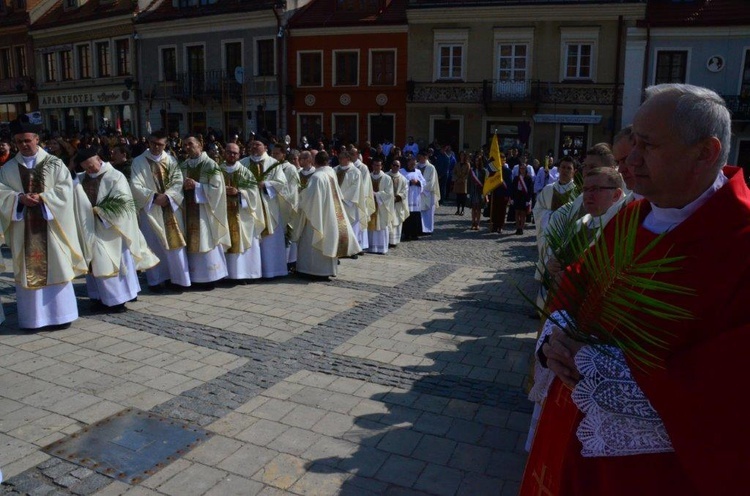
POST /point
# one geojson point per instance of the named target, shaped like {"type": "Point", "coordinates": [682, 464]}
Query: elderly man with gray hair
{"type": "Point", "coordinates": [618, 426]}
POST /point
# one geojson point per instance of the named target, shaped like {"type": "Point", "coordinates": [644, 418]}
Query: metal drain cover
{"type": "Point", "coordinates": [130, 445]}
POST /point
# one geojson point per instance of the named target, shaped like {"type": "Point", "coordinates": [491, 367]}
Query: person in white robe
{"type": "Point", "coordinates": [271, 185]}
{"type": "Point", "coordinates": [322, 229]}
{"type": "Point", "coordinates": [306, 169]}
{"type": "Point", "coordinates": [351, 184]}
{"type": "Point", "coordinates": [288, 199]}
{"type": "Point", "coordinates": [400, 203]}
{"type": "Point", "coordinates": [552, 197]}
{"type": "Point", "coordinates": [412, 226]}
{"type": "Point", "coordinates": [156, 182]}
{"type": "Point", "coordinates": [367, 201]}
{"type": "Point", "coordinates": [113, 245]}
{"type": "Point", "coordinates": [205, 207]}
{"type": "Point", "coordinates": [380, 220]}
{"type": "Point", "coordinates": [38, 220]}
{"type": "Point", "coordinates": [430, 193]}
{"type": "Point", "coordinates": [244, 219]}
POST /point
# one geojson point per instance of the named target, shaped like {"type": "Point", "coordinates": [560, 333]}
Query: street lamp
{"type": "Point", "coordinates": [279, 7]}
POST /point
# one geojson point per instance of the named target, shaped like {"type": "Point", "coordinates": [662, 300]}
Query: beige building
{"type": "Point", "coordinates": [543, 76]}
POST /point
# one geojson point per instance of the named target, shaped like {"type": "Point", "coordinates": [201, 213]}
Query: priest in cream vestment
{"type": "Point", "coordinates": [244, 218]}
{"type": "Point", "coordinates": [380, 220]}
{"type": "Point", "coordinates": [400, 203]}
{"type": "Point", "coordinates": [156, 182]}
{"type": "Point", "coordinates": [322, 229]}
{"type": "Point", "coordinates": [37, 218]}
{"type": "Point", "coordinates": [205, 209]}
{"type": "Point", "coordinates": [273, 184]}
{"type": "Point", "coordinates": [289, 197]}
{"type": "Point", "coordinates": [351, 185]}
{"type": "Point", "coordinates": [367, 203]}
{"type": "Point", "coordinates": [112, 244]}
{"type": "Point", "coordinates": [430, 193]}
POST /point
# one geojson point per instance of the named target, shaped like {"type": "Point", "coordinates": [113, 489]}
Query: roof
{"type": "Point", "coordinates": [426, 4]}
{"type": "Point", "coordinates": [323, 14]}
{"type": "Point", "coordinates": [15, 18]}
{"type": "Point", "coordinates": [666, 13]}
{"type": "Point", "coordinates": [89, 11]}
{"type": "Point", "coordinates": [163, 10]}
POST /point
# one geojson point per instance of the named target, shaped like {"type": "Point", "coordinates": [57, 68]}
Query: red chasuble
{"type": "Point", "coordinates": [699, 390]}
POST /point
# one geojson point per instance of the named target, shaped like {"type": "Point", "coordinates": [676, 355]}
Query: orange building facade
{"type": "Point", "coordinates": [347, 83]}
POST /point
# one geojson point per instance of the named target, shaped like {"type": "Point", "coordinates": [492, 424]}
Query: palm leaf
{"type": "Point", "coordinates": [116, 205]}
{"type": "Point", "coordinates": [174, 176]}
{"type": "Point", "coordinates": [613, 290]}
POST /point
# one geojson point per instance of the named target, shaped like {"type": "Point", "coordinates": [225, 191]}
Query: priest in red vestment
{"type": "Point", "coordinates": [612, 426]}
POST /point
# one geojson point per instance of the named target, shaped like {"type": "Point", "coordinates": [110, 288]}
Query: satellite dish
{"type": "Point", "coordinates": [239, 74]}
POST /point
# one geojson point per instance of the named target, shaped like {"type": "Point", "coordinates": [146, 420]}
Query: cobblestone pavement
{"type": "Point", "coordinates": [402, 376]}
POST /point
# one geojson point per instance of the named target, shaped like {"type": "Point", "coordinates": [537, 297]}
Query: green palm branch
{"type": "Point", "coordinates": [174, 176]}
{"type": "Point", "coordinates": [116, 205]}
{"type": "Point", "coordinates": [240, 181]}
{"type": "Point", "coordinates": [38, 176]}
{"type": "Point", "coordinates": [609, 299]}
{"type": "Point", "coordinates": [261, 176]}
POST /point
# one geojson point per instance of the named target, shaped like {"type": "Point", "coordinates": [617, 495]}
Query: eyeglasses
{"type": "Point", "coordinates": [596, 189]}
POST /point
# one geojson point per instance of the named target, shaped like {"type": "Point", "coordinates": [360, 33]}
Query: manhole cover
{"type": "Point", "coordinates": [130, 445]}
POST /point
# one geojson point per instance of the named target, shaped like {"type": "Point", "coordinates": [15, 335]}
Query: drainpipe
{"type": "Point", "coordinates": [618, 53]}
{"type": "Point", "coordinates": [646, 59]}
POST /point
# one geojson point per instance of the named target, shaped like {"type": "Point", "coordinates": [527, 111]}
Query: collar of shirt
{"type": "Point", "coordinates": [660, 220]}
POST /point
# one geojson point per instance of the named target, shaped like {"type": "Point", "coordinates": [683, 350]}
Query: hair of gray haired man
{"type": "Point", "coordinates": [604, 152]}
{"type": "Point", "coordinates": [623, 133]}
{"type": "Point", "coordinates": [699, 113]}
{"type": "Point", "coordinates": [305, 154]}
{"type": "Point", "coordinates": [294, 153]}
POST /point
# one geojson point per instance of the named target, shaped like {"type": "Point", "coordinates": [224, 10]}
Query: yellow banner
{"type": "Point", "coordinates": [493, 182]}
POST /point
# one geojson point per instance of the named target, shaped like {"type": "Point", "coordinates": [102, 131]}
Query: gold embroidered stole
{"type": "Point", "coordinates": [257, 171]}
{"type": "Point", "coordinates": [35, 229]}
{"type": "Point", "coordinates": [160, 173]}
{"type": "Point", "coordinates": [372, 224]}
{"type": "Point", "coordinates": [340, 175]}
{"type": "Point", "coordinates": [90, 186]}
{"type": "Point", "coordinates": [396, 179]}
{"type": "Point", "coordinates": [192, 211]}
{"type": "Point", "coordinates": [303, 179]}
{"type": "Point", "coordinates": [233, 210]}
{"type": "Point", "coordinates": [343, 245]}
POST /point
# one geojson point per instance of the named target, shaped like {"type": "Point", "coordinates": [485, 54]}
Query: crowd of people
{"type": "Point", "coordinates": [194, 211]}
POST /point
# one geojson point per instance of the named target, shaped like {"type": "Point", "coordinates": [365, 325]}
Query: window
{"type": "Point", "coordinates": [671, 66]}
{"type": "Point", "coordinates": [579, 50]}
{"type": "Point", "coordinates": [102, 59]}
{"type": "Point", "coordinates": [195, 60]}
{"type": "Point", "coordinates": [122, 48]}
{"type": "Point", "coordinates": [310, 126]}
{"type": "Point", "coordinates": [513, 55]}
{"type": "Point", "coordinates": [84, 61]}
{"type": "Point", "coordinates": [383, 67]}
{"type": "Point", "coordinates": [168, 64]}
{"type": "Point", "coordinates": [310, 68]}
{"type": "Point", "coordinates": [50, 66]}
{"type": "Point", "coordinates": [21, 66]}
{"type": "Point", "coordinates": [265, 59]}
{"type": "Point", "coordinates": [71, 4]}
{"type": "Point", "coordinates": [450, 48]}
{"type": "Point", "coordinates": [358, 5]}
{"type": "Point", "coordinates": [66, 65]}
{"type": "Point", "coordinates": [346, 68]}
{"type": "Point", "coordinates": [6, 67]}
{"type": "Point", "coordinates": [745, 78]}
{"type": "Point", "coordinates": [232, 57]}
{"type": "Point", "coordinates": [345, 127]}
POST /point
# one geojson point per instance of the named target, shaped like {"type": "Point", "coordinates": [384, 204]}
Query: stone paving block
{"type": "Point", "coordinates": [365, 462]}
{"type": "Point", "coordinates": [470, 458]}
{"type": "Point", "coordinates": [364, 486]}
{"type": "Point", "coordinates": [41, 427]}
{"type": "Point", "coordinates": [434, 449]}
{"type": "Point", "coordinates": [476, 484]}
{"type": "Point", "coordinates": [439, 480]}
{"type": "Point", "coordinates": [234, 485]}
{"type": "Point", "coordinates": [506, 466]}
{"type": "Point", "coordinates": [247, 460]}
{"type": "Point", "coordinates": [340, 402]}
{"type": "Point", "coordinates": [400, 441]}
{"type": "Point", "coordinates": [366, 432]}
{"type": "Point", "coordinates": [20, 417]}
{"type": "Point", "coordinates": [272, 409]}
{"type": "Point", "coordinates": [97, 412]}
{"type": "Point", "coordinates": [283, 390]}
{"type": "Point", "coordinates": [519, 422]}
{"type": "Point", "coordinates": [317, 380]}
{"type": "Point", "coordinates": [36, 362]}
{"type": "Point", "coordinates": [282, 471]}
{"type": "Point", "coordinates": [465, 431]}
{"type": "Point", "coordinates": [214, 451]}
{"type": "Point", "coordinates": [303, 416]}
{"type": "Point", "coordinates": [432, 423]}
{"type": "Point", "coordinates": [115, 488]}
{"type": "Point", "coordinates": [262, 432]}
{"type": "Point", "coordinates": [24, 463]}
{"type": "Point", "coordinates": [334, 424]}
{"type": "Point", "coordinates": [148, 399]}
{"type": "Point", "coordinates": [400, 470]}
{"type": "Point", "coordinates": [232, 424]}
{"type": "Point", "coordinates": [461, 409]}
{"type": "Point", "coordinates": [329, 450]}
{"type": "Point", "coordinates": [320, 480]}
{"type": "Point", "coordinates": [295, 441]}
{"type": "Point", "coordinates": [194, 481]}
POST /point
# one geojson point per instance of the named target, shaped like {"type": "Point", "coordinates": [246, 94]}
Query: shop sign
{"type": "Point", "coordinates": [85, 99]}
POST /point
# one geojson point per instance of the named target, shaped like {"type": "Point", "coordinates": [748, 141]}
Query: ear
{"type": "Point", "coordinates": [708, 152]}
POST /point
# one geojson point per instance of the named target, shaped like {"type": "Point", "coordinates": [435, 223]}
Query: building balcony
{"type": "Point", "coordinates": [17, 85]}
{"type": "Point", "coordinates": [531, 91]}
{"type": "Point", "coordinates": [739, 106]}
{"type": "Point", "coordinates": [219, 85]}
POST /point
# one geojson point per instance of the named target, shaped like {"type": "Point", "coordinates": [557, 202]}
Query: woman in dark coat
{"type": "Point", "coordinates": [522, 190]}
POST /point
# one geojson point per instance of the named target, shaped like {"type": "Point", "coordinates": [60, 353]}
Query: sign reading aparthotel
{"type": "Point", "coordinates": [93, 97]}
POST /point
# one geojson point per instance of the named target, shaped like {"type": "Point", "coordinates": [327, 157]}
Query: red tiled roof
{"type": "Point", "coordinates": [90, 11]}
{"type": "Point", "coordinates": [323, 13]}
{"type": "Point", "coordinates": [697, 13]}
{"type": "Point", "coordinates": [163, 10]}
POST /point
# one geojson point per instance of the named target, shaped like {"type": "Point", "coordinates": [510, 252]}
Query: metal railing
{"type": "Point", "coordinates": [16, 85]}
{"type": "Point", "coordinates": [219, 85]}
{"type": "Point", "coordinates": [739, 106]}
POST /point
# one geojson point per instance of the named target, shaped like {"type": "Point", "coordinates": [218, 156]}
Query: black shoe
{"type": "Point", "coordinates": [117, 308]}
{"type": "Point", "coordinates": [354, 257]}
{"type": "Point", "coordinates": [176, 288]}
{"type": "Point", "coordinates": [392, 246]}
{"type": "Point", "coordinates": [457, 213]}
{"type": "Point", "coordinates": [157, 289]}
{"type": "Point", "coordinates": [58, 327]}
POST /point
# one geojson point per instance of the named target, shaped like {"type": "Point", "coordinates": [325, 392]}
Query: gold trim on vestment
{"type": "Point", "coordinates": [35, 229]}
{"type": "Point", "coordinates": [233, 212]}
{"type": "Point", "coordinates": [343, 246]}
{"type": "Point", "coordinates": [172, 231]}
{"type": "Point", "coordinates": [372, 224]}
{"type": "Point", "coordinates": [192, 212]}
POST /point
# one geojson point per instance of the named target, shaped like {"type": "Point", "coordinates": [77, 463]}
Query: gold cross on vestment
{"type": "Point", "coordinates": [543, 490]}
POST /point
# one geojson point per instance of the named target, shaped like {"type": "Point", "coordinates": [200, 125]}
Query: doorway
{"type": "Point", "coordinates": [447, 132]}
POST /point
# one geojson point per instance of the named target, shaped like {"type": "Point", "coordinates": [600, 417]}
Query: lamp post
{"type": "Point", "coordinates": [279, 8]}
